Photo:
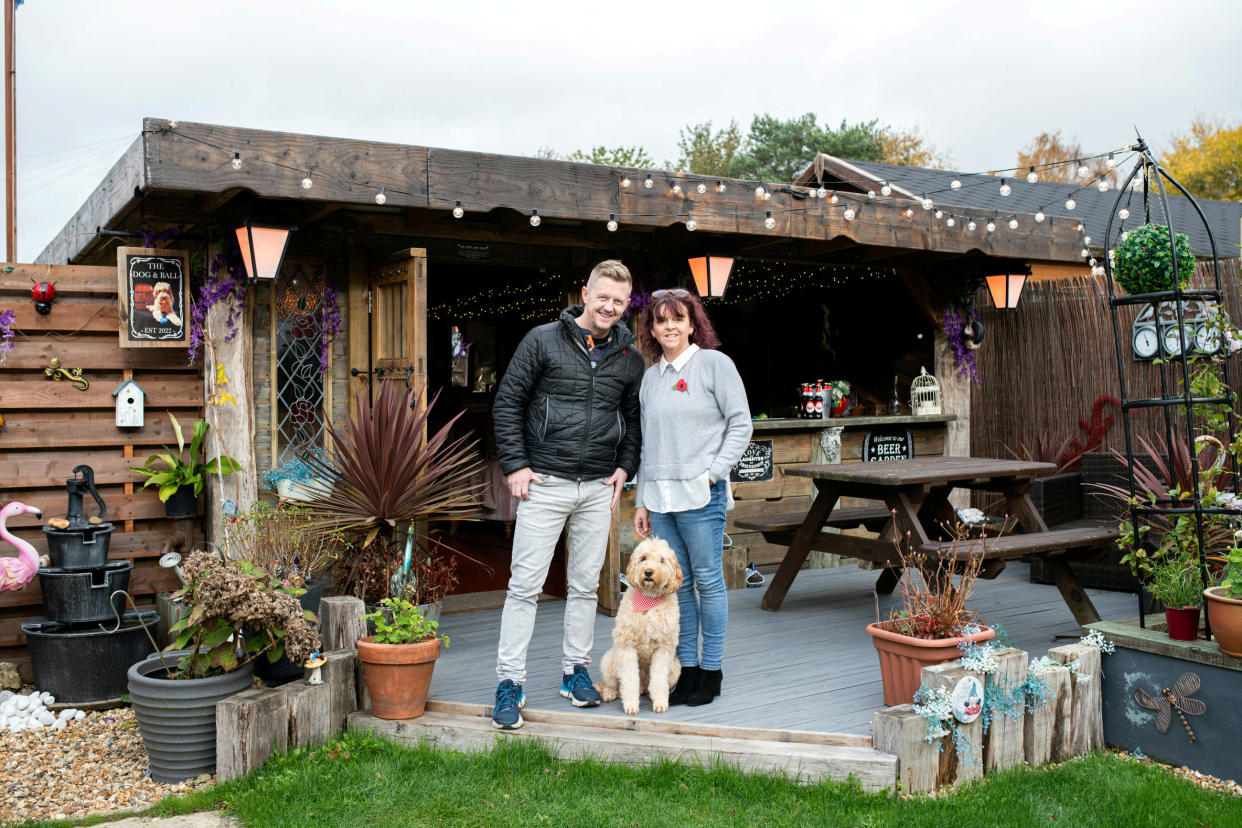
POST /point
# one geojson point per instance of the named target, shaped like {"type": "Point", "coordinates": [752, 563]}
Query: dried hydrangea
{"type": "Point", "coordinates": [1096, 639]}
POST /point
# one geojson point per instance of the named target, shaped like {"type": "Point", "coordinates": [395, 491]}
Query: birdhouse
{"type": "Point", "coordinates": [129, 402]}
{"type": "Point", "coordinates": [924, 394]}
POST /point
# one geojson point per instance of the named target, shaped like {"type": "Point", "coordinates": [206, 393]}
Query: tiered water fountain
{"type": "Point", "coordinates": [82, 650]}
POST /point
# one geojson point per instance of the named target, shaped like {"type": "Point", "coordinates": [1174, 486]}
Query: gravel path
{"type": "Point", "coordinates": [92, 766]}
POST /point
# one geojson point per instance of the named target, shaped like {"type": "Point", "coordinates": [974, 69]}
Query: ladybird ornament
{"type": "Point", "coordinates": [43, 294]}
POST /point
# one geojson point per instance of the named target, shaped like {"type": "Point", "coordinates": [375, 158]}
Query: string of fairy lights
{"type": "Point", "coordinates": [817, 197]}
{"type": "Point", "coordinates": [529, 301]}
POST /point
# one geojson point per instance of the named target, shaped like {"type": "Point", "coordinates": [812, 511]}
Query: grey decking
{"type": "Point", "coordinates": [809, 666]}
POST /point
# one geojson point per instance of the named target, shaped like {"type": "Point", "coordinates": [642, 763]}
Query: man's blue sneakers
{"type": "Point", "coordinates": [577, 687]}
{"type": "Point", "coordinates": [510, 699]}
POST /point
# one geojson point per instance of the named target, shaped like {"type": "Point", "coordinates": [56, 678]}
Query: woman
{"type": "Point", "coordinates": [696, 424]}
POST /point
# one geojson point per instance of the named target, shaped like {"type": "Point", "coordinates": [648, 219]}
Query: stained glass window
{"type": "Point", "coordinates": [299, 415]}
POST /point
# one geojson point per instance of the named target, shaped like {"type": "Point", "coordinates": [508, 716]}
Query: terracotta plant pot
{"type": "Point", "coordinates": [1225, 614]}
{"type": "Point", "coordinates": [1182, 622]}
{"type": "Point", "coordinates": [902, 657]}
{"type": "Point", "coordinates": [398, 676]}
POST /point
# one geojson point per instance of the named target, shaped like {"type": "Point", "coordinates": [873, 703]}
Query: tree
{"type": "Point", "coordinates": [1207, 160]}
{"type": "Point", "coordinates": [1049, 148]}
{"type": "Point", "coordinates": [614, 156]}
{"type": "Point", "coordinates": [704, 152]}
{"type": "Point", "coordinates": [910, 148]}
{"type": "Point", "coordinates": [776, 150]}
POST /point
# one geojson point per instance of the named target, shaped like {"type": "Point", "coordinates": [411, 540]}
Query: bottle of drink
{"type": "Point", "coordinates": [809, 405]}
{"type": "Point", "coordinates": [895, 405]}
{"type": "Point", "coordinates": [802, 401]}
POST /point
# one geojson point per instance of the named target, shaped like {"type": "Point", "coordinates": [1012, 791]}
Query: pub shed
{"type": "Point", "coordinates": [433, 263]}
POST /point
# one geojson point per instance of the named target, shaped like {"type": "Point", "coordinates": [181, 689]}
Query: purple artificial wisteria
{"type": "Point", "coordinates": [330, 325]}
{"type": "Point", "coordinates": [955, 321]}
{"type": "Point", "coordinates": [224, 282]}
{"type": "Point", "coordinates": [7, 319]}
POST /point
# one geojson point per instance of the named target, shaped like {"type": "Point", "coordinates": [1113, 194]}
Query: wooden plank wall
{"type": "Point", "coordinates": [52, 427]}
{"type": "Point", "coordinates": [1043, 365]}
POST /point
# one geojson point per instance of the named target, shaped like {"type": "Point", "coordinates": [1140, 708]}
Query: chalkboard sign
{"type": "Point", "coordinates": [152, 290]}
{"type": "Point", "coordinates": [887, 444]}
{"type": "Point", "coordinates": [755, 465]}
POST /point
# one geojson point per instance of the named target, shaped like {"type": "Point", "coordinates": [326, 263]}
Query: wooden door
{"type": "Point", "coordinates": [399, 320]}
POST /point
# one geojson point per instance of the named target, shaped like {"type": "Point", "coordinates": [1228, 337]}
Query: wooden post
{"type": "Point", "coordinates": [1086, 712]}
{"type": "Point", "coordinates": [903, 733]}
{"type": "Point", "coordinates": [232, 426]}
{"type": "Point", "coordinates": [339, 678]}
{"type": "Point", "coordinates": [955, 769]}
{"type": "Point", "coordinates": [1002, 744]}
{"type": "Point", "coordinates": [310, 713]}
{"type": "Point", "coordinates": [341, 622]}
{"type": "Point", "coordinates": [250, 726]}
{"type": "Point", "coordinates": [1046, 729]}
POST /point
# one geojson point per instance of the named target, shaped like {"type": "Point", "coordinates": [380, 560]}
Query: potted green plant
{"type": "Point", "coordinates": [933, 621]}
{"type": "Point", "coordinates": [1225, 600]}
{"type": "Point", "coordinates": [389, 473]}
{"type": "Point", "coordinates": [398, 660]}
{"type": "Point", "coordinates": [281, 540]}
{"type": "Point", "coordinates": [182, 479]}
{"type": "Point", "coordinates": [1143, 261]}
{"type": "Point", "coordinates": [234, 613]}
{"type": "Point", "coordinates": [1173, 579]}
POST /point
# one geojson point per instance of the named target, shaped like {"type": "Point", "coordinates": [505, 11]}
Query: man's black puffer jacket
{"type": "Point", "coordinates": [557, 416]}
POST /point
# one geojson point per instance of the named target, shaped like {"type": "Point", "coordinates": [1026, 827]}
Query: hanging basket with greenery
{"type": "Point", "coordinates": [1143, 262]}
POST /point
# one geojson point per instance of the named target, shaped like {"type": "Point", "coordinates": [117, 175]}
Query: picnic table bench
{"type": "Point", "coordinates": [916, 496]}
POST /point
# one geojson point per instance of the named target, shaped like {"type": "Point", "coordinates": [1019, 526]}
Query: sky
{"type": "Point", "coordinates": [979, 79]}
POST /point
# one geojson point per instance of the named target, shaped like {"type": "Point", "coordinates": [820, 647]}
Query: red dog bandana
{"type": "Point", "coordinates": [642, 602]}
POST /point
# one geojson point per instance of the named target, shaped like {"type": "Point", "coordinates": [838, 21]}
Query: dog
{"type": "Point", "coordinates": [643, 658]}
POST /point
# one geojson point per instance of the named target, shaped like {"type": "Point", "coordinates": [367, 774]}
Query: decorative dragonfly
{"type": "Point", "coordinates": [1175, 699]}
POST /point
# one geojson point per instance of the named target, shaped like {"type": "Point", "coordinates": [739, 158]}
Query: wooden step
{"type": "Point", "coordinates": [802, 756]}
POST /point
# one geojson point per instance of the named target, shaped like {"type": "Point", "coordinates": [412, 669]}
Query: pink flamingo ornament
{"type": "Point", "coordinates": [16, 573]}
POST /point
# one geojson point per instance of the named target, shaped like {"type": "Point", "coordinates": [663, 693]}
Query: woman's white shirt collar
{"type": "Point", "coordinates": [681, 360]}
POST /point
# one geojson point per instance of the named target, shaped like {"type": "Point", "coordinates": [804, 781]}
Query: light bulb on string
{"type": "Point", "coordinates": [1125, 235]}
{"type": "Point", "coordinates": [970, 225]}
{"type": "Point", "coordinates": [1110, 163]}
{"type": "Point", "coordinates": [1032, 176]}
{"type": "Point", "coordinates": [769, 222]}
{"type": "Point", "coordinates": [1070, 204]}
{"type": "Point", "coordinates": [612, 223]}
{"type": "Point", "coordinates": [702, 188]}
{"type": "Point", "coordinates": [1078, 228]}
{"type": "Point", "coordinates": [1005, 189]}
{"type": "Point", "coordinates": [381, 196]}
{"type": "Point", "coordinates": [1039, 217]}
{"type": "Point", "coordinates": [822, 192]}
{"type": "Point", "coordinates": [767, 196]}
{"type": "Point", "coordinates": [760, 192]}
{"type": "Point", "coordinates": [648, 183]}
{"type": "Point", "coordinates": [458, 212]}
{"type": "Point", "coordinates": [625, 182]}
{"type": "Point", "coordinates": [1013, 224]}
{"type": "Point", "coordinates": [886, 190]}
{"type": "Point", "coordinates": [236, 162]}
{"type": "Point", "coordinates": [949, 222]}
{"type": "Point", "coordinates": [1083, 172]}
{"type": "Point", "coordinates": [306, 182]}
{"type": "Point", "coordinates": [675, 189]}
{"type": "Point", "coordinates": [871, 195]}
{"type": "Point", "coordinates": [1086, 240]}
{"type": "Point", "coordinates": [720, 186]}
{"type": "Point", "coordinates": [909, 212]}
{"type": "Point", "coordinates": [1123, 213]}
{"type": "Point", "coordinates": [691, 224]}
{"type": "Point", "coordinates": [991, 227]}
{"type": "Point", "coordinates": [939, 214]}
{"type": "Point", "coordinates": [1084, 252]}
{"type": "Point", "coordinates": [835, 199]}
{"type": "Point", "coordinates": [535, 221]}
{"type": "Point", "coordinates": [927, 203]}
{"type": "Point", "coordinates": [1102, 185]}
{"type": "Point", "coordinates": [848, 215]}
{"type": "Point", "coordinates": [956, 185]}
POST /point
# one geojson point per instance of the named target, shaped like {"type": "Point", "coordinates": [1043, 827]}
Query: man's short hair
{"type": "Point", "coordinates": [609, 269]}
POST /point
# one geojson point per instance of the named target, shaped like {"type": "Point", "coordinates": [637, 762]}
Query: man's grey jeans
{"type": "Point", "coordinates": [554, 504]}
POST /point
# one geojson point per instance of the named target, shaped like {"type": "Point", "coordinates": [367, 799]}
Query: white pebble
{"type": "Point", "coordinates": [79, 716]}
{"type": "Point", "coordinates": [46, 718]}
{"type": "Point", "coordinates": [21, 702]}
{"type": "Point", "coordinates": [67, 713]}
{"type": "Point", "coordinates": [59, 724]}
{"type": "Point", "coordinates": [8, 708]}
{"type": "Point", "coordinates": [5, 695]}
{"type": "Point", "coordinates": [35, 726]}
{"type": "Point", "coordinates": [48, 698]}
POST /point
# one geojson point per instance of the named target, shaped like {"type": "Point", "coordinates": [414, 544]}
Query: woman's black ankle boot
{"type": "Point", "coordinates": [687, 683]}
{"type": "Point", "coordinates": [708, 689]}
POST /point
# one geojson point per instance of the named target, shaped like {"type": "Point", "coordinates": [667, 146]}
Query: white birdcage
{"type": "Point", "coordinates": [924, 394]}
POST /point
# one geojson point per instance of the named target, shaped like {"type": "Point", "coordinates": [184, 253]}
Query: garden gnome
{"type": "Point", "coordinates": [315, 665]}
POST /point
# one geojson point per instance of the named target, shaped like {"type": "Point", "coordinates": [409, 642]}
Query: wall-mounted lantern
{"type": "Point", "coordinates": [263, 247]}
{"type": "Point", "coordinates": [1005, 289]}
{"type": "Point", "coordinates": [711, 274]}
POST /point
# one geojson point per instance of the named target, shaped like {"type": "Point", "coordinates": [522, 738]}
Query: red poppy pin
{"type": "Point", "coordinates": [680, 386]}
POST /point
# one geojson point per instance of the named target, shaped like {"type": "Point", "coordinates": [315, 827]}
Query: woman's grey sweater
{"type": "Point", "coordinates": [706, 427]}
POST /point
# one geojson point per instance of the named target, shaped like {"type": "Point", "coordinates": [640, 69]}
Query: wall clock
{"type": "Point", "coordinates": [1146, 344]}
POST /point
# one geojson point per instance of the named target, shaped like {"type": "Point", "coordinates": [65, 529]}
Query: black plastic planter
{"type": "Point", "coordinates": [79, 663]}
{"type": "Point", "coordinates": [284, 670]}
{"type": "Point", "coordinates": [72, 597]}
{"type": "Point", "coordinates": [182, 503]}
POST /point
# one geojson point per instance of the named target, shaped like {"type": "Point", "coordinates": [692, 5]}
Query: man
{"type": "Point", "coordinates": [567, 430]}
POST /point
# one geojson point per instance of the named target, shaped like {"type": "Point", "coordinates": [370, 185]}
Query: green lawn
{"type": "Point", "coordinates": [363, 780]}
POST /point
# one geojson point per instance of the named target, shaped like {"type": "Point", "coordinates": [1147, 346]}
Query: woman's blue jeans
{"type": "Point", "coordinates": [697, 536]}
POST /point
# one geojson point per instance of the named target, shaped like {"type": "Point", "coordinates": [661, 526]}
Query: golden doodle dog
{"type": "Point", "coordinates": [643, 658]}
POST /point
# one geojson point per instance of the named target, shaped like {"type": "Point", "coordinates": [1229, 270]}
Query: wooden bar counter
{"type": "Point", "coordinates": [794, 442]}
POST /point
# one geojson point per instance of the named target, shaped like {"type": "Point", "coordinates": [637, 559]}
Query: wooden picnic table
{"type": "Point", "coordinates": [916, 493]}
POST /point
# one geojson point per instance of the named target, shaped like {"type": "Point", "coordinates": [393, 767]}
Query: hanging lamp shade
{"type": "Point", "coordinates": [263, 247]}
{"type": "Point", "coordinates": [711, 274]}
{"type": "Point", "coordinates": [1005, 289]}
